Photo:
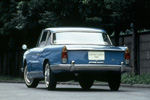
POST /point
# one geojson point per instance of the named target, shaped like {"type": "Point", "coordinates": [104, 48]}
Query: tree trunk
{"type": "Point", "coordinates": [135, 50]}
{"type": "Point", "coordinates": [117, 32]}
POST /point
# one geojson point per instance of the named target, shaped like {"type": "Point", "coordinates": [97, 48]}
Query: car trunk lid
{"type": "Point", "coordinates": [95, 54]}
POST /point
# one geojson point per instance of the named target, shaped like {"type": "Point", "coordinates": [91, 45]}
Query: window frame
{"type": "Point", "coordinates": [40, 44]}
{"type": "Point", "coordinates": [49, 39]}
{"type": "Point", "coordinates": [52, 40]}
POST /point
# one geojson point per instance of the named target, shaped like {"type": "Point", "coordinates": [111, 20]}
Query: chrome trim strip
{"type": "Point", "coordinates": [90, 65]}
{"type": "Point", "coordinates": [94, 49]}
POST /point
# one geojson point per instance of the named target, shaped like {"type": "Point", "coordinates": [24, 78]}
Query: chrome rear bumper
{"type": "Point", "coordinates": [90, 67]}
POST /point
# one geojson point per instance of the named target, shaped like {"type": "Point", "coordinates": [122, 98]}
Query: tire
{"type": "Point", "coordinates": [114, 84]}
{"type": "Point", "coordinates": [86, 84]}
{"type": "Point", "coordinates": [30, 82]}
{"type": "Point", "coordinates": [49, 77]}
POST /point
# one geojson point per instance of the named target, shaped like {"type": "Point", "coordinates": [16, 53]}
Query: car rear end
{"type": "Point", "coordinates": [77, 59]}
{"type": "Point", "coordinates": [88, 55]}
{"type": "Point", "coordinates": [90, 51]}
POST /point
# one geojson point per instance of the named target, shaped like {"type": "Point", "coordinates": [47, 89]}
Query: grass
{"type": "Point", "coordinates": [135, 79]}
{"type": "Point", "coordinates": [9, 78]}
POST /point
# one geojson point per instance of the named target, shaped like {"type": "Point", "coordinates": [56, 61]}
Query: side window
{"type": "Point", "coordinates": [106, 39]}
{"type": "Point", "coordinates": [43, 38]}
{"type": "Point", "coordinates": [48, 38]}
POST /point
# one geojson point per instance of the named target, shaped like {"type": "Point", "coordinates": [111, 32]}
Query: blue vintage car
{"type": "Point", "coordinates": [80, 54]}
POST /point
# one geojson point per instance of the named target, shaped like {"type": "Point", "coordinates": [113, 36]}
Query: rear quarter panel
{"type": "Point", "coordinates": [52, 53]}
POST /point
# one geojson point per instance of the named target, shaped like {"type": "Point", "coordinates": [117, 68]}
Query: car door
{"type": "Point", "coordinates": [36, 54]}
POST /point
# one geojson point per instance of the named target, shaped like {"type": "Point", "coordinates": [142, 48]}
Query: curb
{"type": "Point", "coordinates": [106, 84]}
{"type": "Point", "coordinates": [10, 81]}
{"type": "Point", "coordinates": [136, 85]}
{"type": "Point", "coordinates": [95, 84]}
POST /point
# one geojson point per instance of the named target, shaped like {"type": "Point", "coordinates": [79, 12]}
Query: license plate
{"type": "Point", "coordinates": [96, 55]}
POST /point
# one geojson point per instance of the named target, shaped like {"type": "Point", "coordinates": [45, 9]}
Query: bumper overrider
{"type": "Point", "coordinates": [90, 67]}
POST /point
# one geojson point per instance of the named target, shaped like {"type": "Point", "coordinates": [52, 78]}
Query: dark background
{"type": "Point", "coordinates": [21, 22]}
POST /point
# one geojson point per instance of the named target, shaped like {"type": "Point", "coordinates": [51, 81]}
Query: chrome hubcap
{"type": "Point", "coordinates": [47, 75]}
{"type": "Point", "coordinates": [27, 77]}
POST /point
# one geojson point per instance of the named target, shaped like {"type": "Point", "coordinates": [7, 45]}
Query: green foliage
{"type": "Point", "coordinates": [136, 79]}
{"type": "Point", "coordinates": [20, 18]}
{"type": "Point", "coordinates": [7, 12]}
{"type": "Point", "coordinates": [49, 19]}
{"type": "Point", "coordinates": [29, 14]}
{"type": "Point", "coordinates": [11, 79]}
{"type": "Point", "coordinates": [27, 17]}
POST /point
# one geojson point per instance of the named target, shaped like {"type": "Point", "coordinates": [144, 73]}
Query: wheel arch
{"type": "Point", "coordinates": [44, 63]}
{"type": "Point", "coordinates": [24, 64]}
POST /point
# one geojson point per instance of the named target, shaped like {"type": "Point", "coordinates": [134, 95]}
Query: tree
{"type": "Point", "coordinates": [7, 10]}
{"type": "Point", "coordinates": [28, 17]}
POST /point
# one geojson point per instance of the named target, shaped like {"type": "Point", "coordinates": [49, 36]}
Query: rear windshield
{"type": "Point", "coordinates": [81, 38]}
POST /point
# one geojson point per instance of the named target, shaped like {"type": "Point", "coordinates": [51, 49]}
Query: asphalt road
{"type": "Point", "coordinates": [18, 91]}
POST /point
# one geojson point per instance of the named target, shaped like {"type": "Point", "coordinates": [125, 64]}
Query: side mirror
{"type": "Point", "coordinates": [24, 47]}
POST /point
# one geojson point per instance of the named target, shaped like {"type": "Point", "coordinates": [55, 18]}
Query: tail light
{"type": "Point", "coordinates": [127, 56]}
{"type": "Point", "coordinates": [64, 55]}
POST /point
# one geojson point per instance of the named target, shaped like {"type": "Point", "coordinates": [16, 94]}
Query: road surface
{"type": "Point", "coordinates": [18, 91]}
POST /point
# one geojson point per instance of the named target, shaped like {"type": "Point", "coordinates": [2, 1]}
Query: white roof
{"type": "Point", "coordinates": [74, 29]}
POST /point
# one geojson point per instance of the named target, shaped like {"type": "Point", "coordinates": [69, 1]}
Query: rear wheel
{"type": "Point", "coordinates": [86, 84]}
{"type": "Point", "coordinates": [114, 84]}
{"type": "Point", "coordinates": [50, 80]}
{"type": "Point", "coordinates": [29, 81]}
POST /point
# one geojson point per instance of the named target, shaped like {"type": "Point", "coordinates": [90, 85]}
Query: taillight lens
{"type": "Point", "coordinates": [127, 56]}
{"type": "Point", "coordinates": [64, 55]}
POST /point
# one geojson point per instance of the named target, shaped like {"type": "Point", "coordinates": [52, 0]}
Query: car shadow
{"type": "Point", "coordinates": [80, 90]}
